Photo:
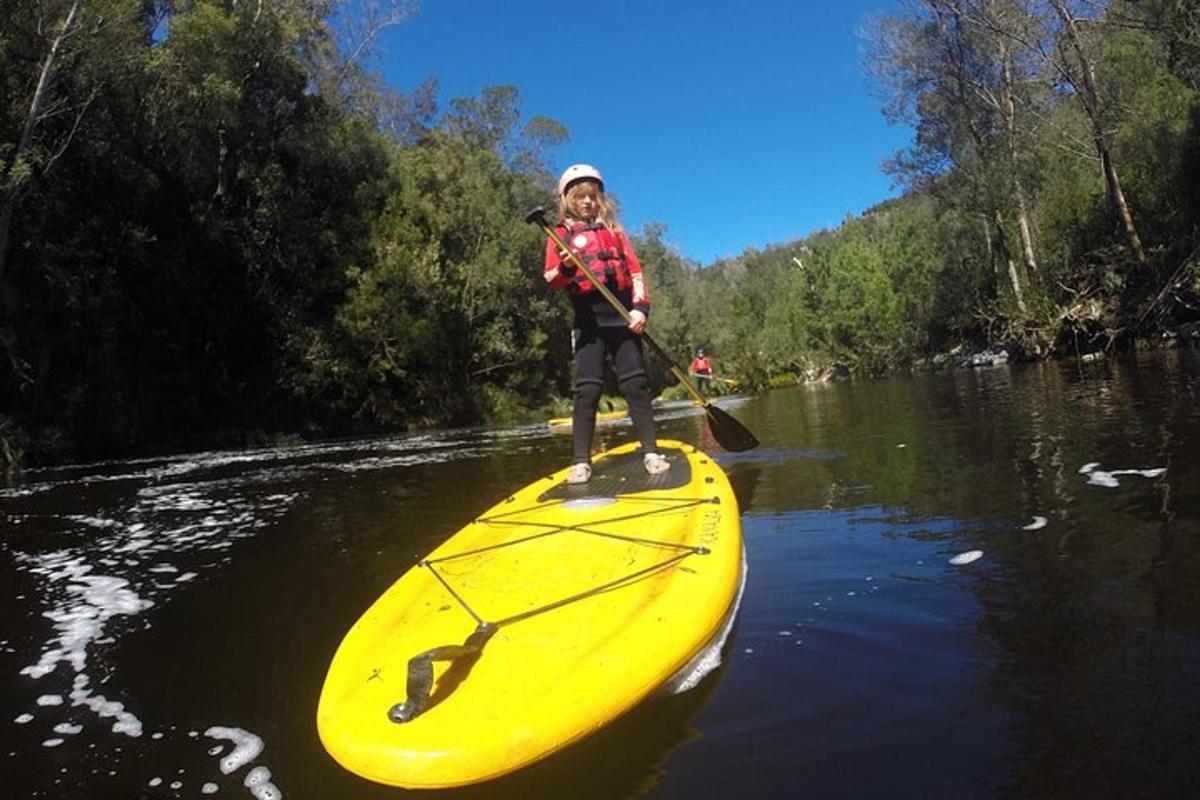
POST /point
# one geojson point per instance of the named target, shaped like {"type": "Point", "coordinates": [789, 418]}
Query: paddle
{"type": "Point", "coordinates": [729, 433]}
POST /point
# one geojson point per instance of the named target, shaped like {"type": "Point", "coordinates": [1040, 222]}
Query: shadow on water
{"type": "Point", "coordinates": [744, 480]}
{"type": "Point", "coordinates": [623, 760]}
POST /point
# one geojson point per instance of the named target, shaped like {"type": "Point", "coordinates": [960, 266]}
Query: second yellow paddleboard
{"type": "Point", "coordinates": [566, 424]}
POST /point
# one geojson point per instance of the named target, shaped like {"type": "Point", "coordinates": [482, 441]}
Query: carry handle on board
{"type": "Point", "coordinates": [729, 433]}
{"type": "Point", "coordinates": [420, 671]}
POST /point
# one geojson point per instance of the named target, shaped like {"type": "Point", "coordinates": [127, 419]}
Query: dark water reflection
{"type": "Point", "coordinates": [212, 590]}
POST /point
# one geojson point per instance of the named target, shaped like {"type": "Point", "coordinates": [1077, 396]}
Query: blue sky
{"type": "Point", "coordinates": [734, 124]}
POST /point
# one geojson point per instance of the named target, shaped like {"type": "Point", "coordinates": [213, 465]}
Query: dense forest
{"type": "Point", "coordinates": [218, 226]}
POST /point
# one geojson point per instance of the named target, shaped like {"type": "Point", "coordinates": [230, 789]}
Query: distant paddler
{"type": "Point", "coordinates": [701, 370]}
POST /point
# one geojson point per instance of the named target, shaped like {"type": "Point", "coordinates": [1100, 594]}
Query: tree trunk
{"type": "Point", "coordinates": [1026, 229]}
{"type": "Point", "coordinates": [1019, 194]}
{"type": "Point", "coordinates": [1014, 278]}
{"type": "Point", "coordinates": [1086, 86]}
{"type": "Point", "coordinates": [965, 89]}
{"type": "Point", "coordinates": [993, 264]}
{"type": "Point", "coordinates": [14, 184]}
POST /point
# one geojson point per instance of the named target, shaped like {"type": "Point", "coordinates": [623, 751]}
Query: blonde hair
{"type": "Point", "coordinates": [607, 213]}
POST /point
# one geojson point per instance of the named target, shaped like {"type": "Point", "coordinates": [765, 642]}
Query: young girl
{"type": "Point", "coordinates": [587, 224]}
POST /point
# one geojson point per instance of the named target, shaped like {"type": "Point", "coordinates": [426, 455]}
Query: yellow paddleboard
{"type": "Point", "coordinates": [565, 424]}
{"type": "Point", "coordinates": [553, 613]}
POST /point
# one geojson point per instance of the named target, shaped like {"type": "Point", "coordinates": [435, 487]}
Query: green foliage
{"type": "Point", "coordinates": [216, 225]}
{"type": "Point", "coordinates": [978, 166]}
{"type": "Point", "coordinates": [221, 248]}
{"type": "Point", "coordinates": [448, 309]}
{"type": "Point", "coordinates": [945, 263]}
{"type": "Point", "coordinates": [11, 449]}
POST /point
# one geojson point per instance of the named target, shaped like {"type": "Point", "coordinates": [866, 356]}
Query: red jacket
{"type": "Point", "coordinates": [610, 257]}
{"type": "Point", "coordinates": [701, 365]}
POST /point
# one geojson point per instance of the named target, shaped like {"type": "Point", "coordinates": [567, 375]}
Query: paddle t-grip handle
{"type": "Point", "coordinates": [537, 215]}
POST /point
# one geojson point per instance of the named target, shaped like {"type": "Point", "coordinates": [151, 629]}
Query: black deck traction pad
{"type": "Point", "coordinates": [624, 475]}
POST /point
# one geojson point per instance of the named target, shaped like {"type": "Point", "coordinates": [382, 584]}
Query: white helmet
{"type": "Point", "coordinates": [577, 172]}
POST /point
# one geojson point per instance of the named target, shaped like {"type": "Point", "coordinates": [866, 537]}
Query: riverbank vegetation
{"type": "Point", "coordinates": [218, 225]}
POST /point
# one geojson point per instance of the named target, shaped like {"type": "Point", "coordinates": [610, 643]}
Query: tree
{"type": "Point", "coordinates": [944, 71]}
{"type": "Point", "coordinates": [1077, 68]}
{"type": "Point", "coordinates": [489, 122]}
{"type": "Point", "coordinates": [185, 248]}
{"type": "Point", "coordinates": [56, 22]}
{"type": "Point", "coordinates": [449, 314]}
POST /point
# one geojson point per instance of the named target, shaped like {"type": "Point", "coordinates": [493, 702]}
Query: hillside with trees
{"type": "Point", "coordinates": [218, 226]}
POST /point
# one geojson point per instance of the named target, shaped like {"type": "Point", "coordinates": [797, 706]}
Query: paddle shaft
{"type": "Point", "coordinates": [624, 312]}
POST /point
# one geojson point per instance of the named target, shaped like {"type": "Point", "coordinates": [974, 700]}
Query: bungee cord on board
{"type": "Point", "coordinates": [462, 657]}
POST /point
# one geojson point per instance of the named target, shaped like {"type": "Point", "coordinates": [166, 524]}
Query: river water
{"type": "Point", "coordinates": [961, 585]}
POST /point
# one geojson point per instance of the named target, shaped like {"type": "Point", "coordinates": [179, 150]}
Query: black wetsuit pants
{"type": "Point", "coordinates": [625, 347]}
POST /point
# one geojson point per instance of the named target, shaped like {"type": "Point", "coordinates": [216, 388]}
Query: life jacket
{"type": "Point", "coordinates": [598, 248]}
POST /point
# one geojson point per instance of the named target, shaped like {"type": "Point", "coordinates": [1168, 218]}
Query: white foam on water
{"type": "Point", "coordinates": [966, 558]}
{"type": "Point", "coordinates": [1108, 478]}
{"type": "Point", "coordinates": [1145, 473]}
{"type": "Point", "coordinates": [246, 746]}
{"type": "Point", "coordinates": [127, 724]}
{"type": "Point", "coordinates": [79, 618]}
{"type": "Point", "coordinates": [709, 657]}
{"type": "Point", "coordinates": [95, 522]}
{"type": "Point", "coordinates": [84, 605]}
{"type": "Point", "coordinates": [26, 491]}
{"type": "Point", "coordinates": [1037, 524]}
{"type": "Point", "coordinates": [411, 460]}
{"type": "Point", "coordinates": [258, 781]}
{"type": "Point", "coordinates": [165, 469]}
{"type": "Point", "coordinates": [88, 602]}
{"type": "Point", "coordinates": [128, 559]}
{"type": "Point", "coordinates": [276, 461]}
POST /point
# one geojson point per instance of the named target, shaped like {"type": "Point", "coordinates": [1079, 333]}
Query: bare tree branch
{"type": "Point", "coordinates": [361, 29]}
{"type": "Point", "coordinates": [15, 182]}
{"type": "Point", "coordinates": [71, 134]}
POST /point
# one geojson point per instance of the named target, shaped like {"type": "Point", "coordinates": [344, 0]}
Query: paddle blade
{"type": "Point", "coordinates": [729, 433]}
